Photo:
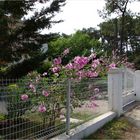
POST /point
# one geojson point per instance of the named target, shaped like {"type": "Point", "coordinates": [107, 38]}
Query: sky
{"type": "Point", "coordinates": [78, 14]}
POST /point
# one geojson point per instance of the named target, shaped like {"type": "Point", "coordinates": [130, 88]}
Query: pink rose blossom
{"type": "Point", "coordinates": [24, 97]}
{"type": "Point", "coordinates": [45, 93]}
{"type": "Point", "coordinates": [57, 61]}
{"type": "Point", "coordinates": [42, 108]}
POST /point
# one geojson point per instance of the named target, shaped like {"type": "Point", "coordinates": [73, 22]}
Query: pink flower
{"type": "Point", "coordinates": [81, 74]}
{"type": "Point", "coordinates": [42, 108]}
{"type": "Point", "coordinates": [66, 51]}
{"type": "Point", "coordinates": [45, 93]}
{"type": "Point", "coordinates": [95, 74]}
{"type": "Point", "coordinates": [81, 60]}
{"type": "Point", "coordinates": [55, 69]}
{"type": "Point", "coordinates": [96, 90]}
{"type": "Point", "coordinates": [91, 74]}
{"type": "Point", "coordinates": [96, 61]}
{"type": "Point", "coordinates": [31, 85]}
{"type": "Point", "coordinates": [69, 66]}
{"type": "Point", "coordinates": [45, 73]}
{"type": "Point", "coordinates": [112, 66]}
{"type": "Point", "coordinates": [94, 65]}
{"type": "Point", "coordinates": [24, 97]}
{"type": "Point", "coordinates": [57, 61]}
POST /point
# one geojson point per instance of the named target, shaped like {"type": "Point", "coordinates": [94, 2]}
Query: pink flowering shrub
{"type": "Point", "coordinates": [50, 98]}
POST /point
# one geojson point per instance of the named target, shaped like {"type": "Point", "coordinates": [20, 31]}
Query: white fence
{"type": "Point", "coordinates": [123, 88]}
{"type": "Point", "coordinates": [128, 79]}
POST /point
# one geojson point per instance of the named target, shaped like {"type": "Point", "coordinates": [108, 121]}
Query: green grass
{"type": "Point", "coordinates": [112, 130]}
{"type": "Point", "coordinates": [2, 117]}
{"type": "Point", "coordinates": [28, 125]}
{"type": "Point", "coordinates": [83, 116]}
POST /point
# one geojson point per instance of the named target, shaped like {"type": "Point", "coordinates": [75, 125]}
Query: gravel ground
{"type": "Point", "coordinates": [102, 107]}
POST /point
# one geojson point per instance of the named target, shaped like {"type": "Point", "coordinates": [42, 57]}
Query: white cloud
{"type": "Point", "coordinates": [78, 14]}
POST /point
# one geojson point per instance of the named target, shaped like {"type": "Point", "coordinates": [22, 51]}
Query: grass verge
{"type": "Point", "coordinates": [112, 130]}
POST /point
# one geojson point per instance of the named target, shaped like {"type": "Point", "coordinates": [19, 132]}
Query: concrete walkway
{"type": "Point", "coordinates": [133, 114]}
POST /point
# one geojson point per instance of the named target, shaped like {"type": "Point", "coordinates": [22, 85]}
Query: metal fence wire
{"type": "Point", "coordinates": [26, 113]}
{"type": "Point", "coordinates": [32, 109]}
{"type": "Point", "coordinates": [128, 80]}
{"type": "Point", "coordinates": [89, 99]}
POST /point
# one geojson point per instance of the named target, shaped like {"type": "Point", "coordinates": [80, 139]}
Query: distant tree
{"type": "Point", "coordinates": [20, 35]}
{"type": "Point", "coordinates": [120, 8]}
{"type": "Point", "coordinates": [131, 41]}
{"type": "Point", "coordinates": [92, 32]}
{"type": "Point", "coordinates": [79, 43]}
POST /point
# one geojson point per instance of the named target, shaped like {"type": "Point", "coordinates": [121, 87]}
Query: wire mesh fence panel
{"type": "Point", "coordinates": [89, 99]}
{"type": "Point", "coordinates": [128, 80]}
{"type": "Point", "coordinates": [31, 108]}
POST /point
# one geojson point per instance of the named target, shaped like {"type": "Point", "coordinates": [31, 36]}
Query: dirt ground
{"type": "Point", "coordinates": [132, 133]}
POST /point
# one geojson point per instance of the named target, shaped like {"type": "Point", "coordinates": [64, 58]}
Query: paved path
{"type": "Point", "coordinates": [134, 114]}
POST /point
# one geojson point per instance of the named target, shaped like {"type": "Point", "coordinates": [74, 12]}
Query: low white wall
{"type": "Point", "coordinates": [87, 128]}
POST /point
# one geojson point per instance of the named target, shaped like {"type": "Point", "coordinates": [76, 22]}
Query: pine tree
{"type": "Point", "coordinates": [20, 35]}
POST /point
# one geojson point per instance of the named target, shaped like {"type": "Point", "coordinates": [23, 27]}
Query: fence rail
{"type": "Point", "coordinates": [128, 80]}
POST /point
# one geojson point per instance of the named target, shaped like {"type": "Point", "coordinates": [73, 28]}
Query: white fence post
{"type": "Point", "coordinates": [115, 90]}
{"type": "Point", "coordinates": [137, 85]}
